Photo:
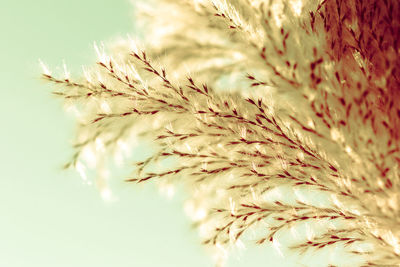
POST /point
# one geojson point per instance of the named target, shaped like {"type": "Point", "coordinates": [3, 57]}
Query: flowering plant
{"type": "Point", "coordinates": [279, 116]}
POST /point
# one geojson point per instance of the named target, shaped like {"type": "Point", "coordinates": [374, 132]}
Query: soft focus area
{"type": "Point", "coordinates": [49, 217]}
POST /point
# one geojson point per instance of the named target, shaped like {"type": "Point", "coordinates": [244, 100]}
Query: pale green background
{"type": "Point", "coordinates": [49, 217]}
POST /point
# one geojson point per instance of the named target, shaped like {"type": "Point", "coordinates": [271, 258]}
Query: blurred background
{"type": "Point", "coordinates": [50, 217]}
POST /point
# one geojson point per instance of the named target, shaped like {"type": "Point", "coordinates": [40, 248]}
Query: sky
{"type": "Point", "coordinates": [49, 216]}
